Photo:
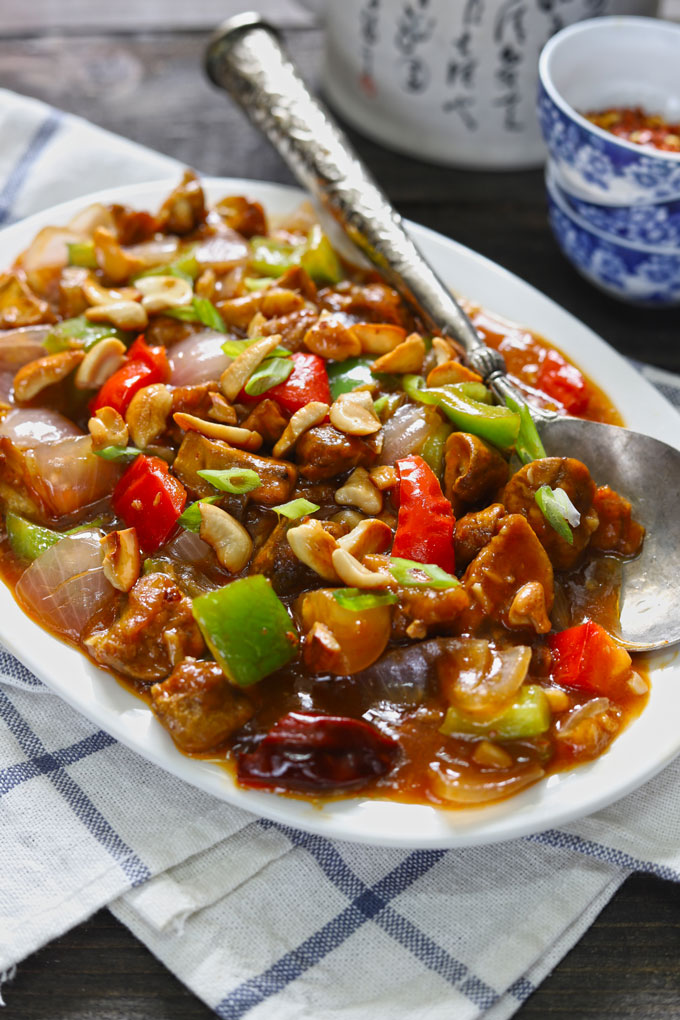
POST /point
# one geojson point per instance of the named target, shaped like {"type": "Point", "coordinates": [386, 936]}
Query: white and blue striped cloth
{"type": "Point", "coordinates": [257, 919]}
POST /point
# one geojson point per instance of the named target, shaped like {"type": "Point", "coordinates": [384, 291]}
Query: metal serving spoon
{"type": "Point", "coordinates": [245, 58]}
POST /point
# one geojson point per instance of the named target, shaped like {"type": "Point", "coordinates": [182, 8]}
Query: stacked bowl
{"type": "Point", "coordinates": [614, 205]}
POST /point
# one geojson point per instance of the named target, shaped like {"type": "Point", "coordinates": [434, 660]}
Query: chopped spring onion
{"type": "Point", "coordinates": [81, 253]}
{"type": "Point", "coordinates": [118, 452]}
{"type": "Point", "coordinates": [60, 336]}
{"type": "Point", "coordinates": [256, 282]}
{"type": "Point", "coordinates": [357, 600]}
{"type": "Point", "coordinates": [185, 267]}
{"type": "Point", "coordinates": [270, 373]}
{"type": "Point", "coordinates": [296, 508]}
{"type": "Point", "coordinates": [412, 574]}
{"type": "Point", "coordinates": [200, 310]}
{"type": "Point", "coordinates": [232, 348]}
{"type": "Point", "coordinates": [234, 480]}
{"type": "Point", "coordinates": [191, 518]}
{"type": "Point", "coordinates": [528, 446]}
{"type": "Point", "coordinates": [559, 511]}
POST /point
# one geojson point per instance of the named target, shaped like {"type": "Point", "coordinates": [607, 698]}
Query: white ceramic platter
{"type": "Point", "coordinates": [649, 744]}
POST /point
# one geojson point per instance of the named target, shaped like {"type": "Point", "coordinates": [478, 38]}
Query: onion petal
{"type": "Point", "coordinates": [65, 586]}
{"type": "Point", "coordinates": [198, 359]}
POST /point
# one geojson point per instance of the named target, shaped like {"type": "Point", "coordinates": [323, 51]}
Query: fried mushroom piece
{"type": "Point", "coordinates": [511, 579]}
{"type": "Point", "coordinates": [617, 532]}
{"type": "Point", "coordinates": [474, 530]}
{"type": "Point", "coordinates": [323, 452]}
{"type": "Point", "coordinates": [277, 477]}
{"type": "Point", "coordinates": [473, 471]}
{"type": "Point", "coordinates": [198, 706]}
{"type": "Point", "coordinates": [557, 472]}
{"type": "Point", "coordinates": [155, 630]}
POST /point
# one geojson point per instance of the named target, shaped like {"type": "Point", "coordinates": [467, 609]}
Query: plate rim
{"type": "Point", "coordinates": [105, 702]}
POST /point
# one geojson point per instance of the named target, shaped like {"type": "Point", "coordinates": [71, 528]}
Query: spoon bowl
{"type": "Point", "coordinates": [245, 57]}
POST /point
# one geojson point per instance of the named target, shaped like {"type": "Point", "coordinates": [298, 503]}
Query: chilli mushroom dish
{"type": "Point", "coordinates": [237, 473]}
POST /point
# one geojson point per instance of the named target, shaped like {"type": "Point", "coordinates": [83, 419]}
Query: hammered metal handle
{"type": "Point", "coordinates": [246, 58]}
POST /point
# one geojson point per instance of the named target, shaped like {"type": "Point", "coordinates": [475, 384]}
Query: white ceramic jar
{"type": "Point", "coordinates": [448, 81]}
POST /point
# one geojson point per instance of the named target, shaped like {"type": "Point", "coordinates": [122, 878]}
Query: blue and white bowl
{"type": "Point", "coordinates": [656, 225]}
{"type": "Point", "coordinates": [643, 275]}
{"type": "Point", "coordinates": [600, 64]}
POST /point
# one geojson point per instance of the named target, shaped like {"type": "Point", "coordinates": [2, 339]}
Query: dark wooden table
{"type": "Point", "coordinates": [149, 87]}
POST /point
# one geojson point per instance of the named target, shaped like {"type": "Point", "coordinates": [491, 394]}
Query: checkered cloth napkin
{"type": "Point", "coordinates": [258, 919]}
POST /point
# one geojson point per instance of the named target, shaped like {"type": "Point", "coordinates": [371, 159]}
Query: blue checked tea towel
{"type": "Point", "coordinates": [257, 919]}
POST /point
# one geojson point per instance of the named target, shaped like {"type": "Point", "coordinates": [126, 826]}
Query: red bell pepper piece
{"type": "Point", "coordinates": [308, 381]}
{"type": "Point", "coordinates": [306, 751]}
{"type": "Point", "coordinates": [149, 499]}
{"type": "Point", "coordinates": [143, 366]}
{"type": "Point", "coordinates": [587, 657]}
{"type": "Point", "coordinates": [563, 382]}
{"type": "Point", "coordinates": [425, 523]}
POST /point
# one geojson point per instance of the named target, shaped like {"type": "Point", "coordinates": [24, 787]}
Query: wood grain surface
{"type": "Point", "coordinates": [149, 87]}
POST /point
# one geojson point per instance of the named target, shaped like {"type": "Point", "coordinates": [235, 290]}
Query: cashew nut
{"type": "Point", "coordinates": [355, 574]}
{"type": "Point", "coordinates": [369, 536]}
{"type": "Point", "coordinates": [378, 337]}
{"type": "Point", "coordinates": [235, 377]}
{"type": "Point", "coordinates": [359, 491]}
{"type": "Point", "coordinates": [255, 325]}
{"type": "Point", "coordinates": [451, 371]}
{"type": "Point", "coordinates": [122, 314]}
{"type": "Point", "coordinates": [122, 562]}
{"type": "Point", "coordinates": [443, 350]}
{"type": "Point", "coordinates": [115, 263]}
{"type": "Point", "coordinates": [314, 546]}
{"type": "Point", "coordinates": [96, 294]}
{"type": "Point", "coordinates": [305, 418]}
{"type": "Point", "coordinates": [528, 608]}
{"type": "Point", "coordinates": [278, 301]}
{"type": "Point", "coordinates": [162, 292]}
{"type": "Point", "coordinates": [147, 414]}
{"type": "Point", "coordinates": [220, 410]}
{"type": "Point", "coordinates": [107, 428]}
{"type": "Point", "coordinates": [321, 650]}
{"type": "Point", "coordinates": [100, 362]}
{"type": "Point", "coordinates": [353, 414]}
{"type": "Point", "coordinates": [407, 357]}
{"type": "Point", "coordinates": [384, 476]}
{"type": "Point", "coordinates": [239, 311]}
{"type": "Point", "coordinates": [243, 438]}
{"type": "Point", "coordinates": [230, 540]}
{"type": "Point", "coordinates": [42, 372]}
{"type": "Point", "coordinates": [331, 338]}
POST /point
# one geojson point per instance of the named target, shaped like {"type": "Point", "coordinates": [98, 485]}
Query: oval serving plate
{"type": "Point", "coordinates": [647, 745]}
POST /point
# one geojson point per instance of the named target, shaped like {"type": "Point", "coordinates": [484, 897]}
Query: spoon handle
{"type": "Point", "coordinates": [246, 58]}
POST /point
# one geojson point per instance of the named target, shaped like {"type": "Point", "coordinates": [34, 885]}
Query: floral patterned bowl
{"type": "Point", "coordinates": [596, 65]}
{"type": "Point", "coordinates": [638, 274]}
{"type": "Point", "coordinates": [656, 225]}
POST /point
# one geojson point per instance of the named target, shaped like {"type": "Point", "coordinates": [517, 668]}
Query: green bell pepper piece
{"type": "Point", "coordinates": [185, 267]}
{"type": "Point", "coordinates": [28, 540]}
{"type": "Point", "coordinates": [528, 446]}
{"type": "Point", "coordinates": [345, 376]}
{"type": "Point", "coordinates": [59, 337]}
{"type": "Point", "coordinates": [432, 451]}
{"type": "Point", "coordinates": [528, 716]}
{"type": "Point", "coordinates": [81, 253]}
{"type": "Point", "coordinates": [465, 405]}
{"type": "Point", "coordinates": [247, 628]}
{"type": "Point", "coordinates": [319, 259]}
{"type": "Point", "coordinates": [271, 257]}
